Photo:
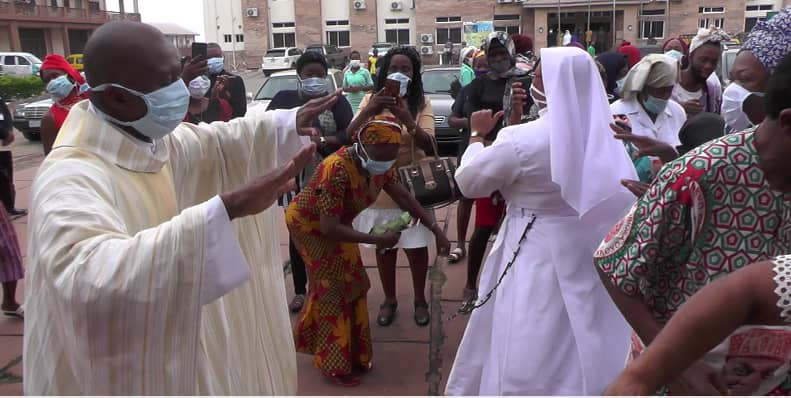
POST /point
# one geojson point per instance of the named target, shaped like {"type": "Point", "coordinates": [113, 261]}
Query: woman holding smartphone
{"type": "Point", "coordinates": [399, 92]}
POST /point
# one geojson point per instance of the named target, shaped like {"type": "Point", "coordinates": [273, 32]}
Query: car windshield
{"type": "Point", "coordinates": [275, 84]}
{"type": "Point", "coordinates": [438, 80]}
{"type": "Point", "coordinates": [276, 53]}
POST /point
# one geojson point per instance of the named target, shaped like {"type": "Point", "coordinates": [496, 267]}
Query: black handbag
{"type": "Point", "coordinates": [431, 180]}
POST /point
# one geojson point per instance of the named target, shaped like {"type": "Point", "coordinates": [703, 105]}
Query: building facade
{"type": "Point", "coordinates": [223, 22]}
{"type": "Point", "coordinates": [428, 24]}
{"type": "Point", "coordinates": [54, 26]}
{"type": "Point", "coordinates": [182, 38]}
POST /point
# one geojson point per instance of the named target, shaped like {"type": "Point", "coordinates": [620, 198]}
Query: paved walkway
{"type": "Point", "coordinates": [401, 351]}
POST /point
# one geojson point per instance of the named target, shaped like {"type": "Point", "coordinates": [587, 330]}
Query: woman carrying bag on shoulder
{"type": "Point", "coordinates": [413, 111]}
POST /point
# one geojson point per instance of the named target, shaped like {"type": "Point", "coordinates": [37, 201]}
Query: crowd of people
{"type": "Point", "coordinates": [640, 210]}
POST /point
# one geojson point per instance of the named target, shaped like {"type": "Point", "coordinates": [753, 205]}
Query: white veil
{"type": "Point", "coordinates": [586, 161]}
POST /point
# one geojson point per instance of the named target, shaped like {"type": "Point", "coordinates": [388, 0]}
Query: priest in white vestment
{"type": "Point", "coordinates": [138, 280]}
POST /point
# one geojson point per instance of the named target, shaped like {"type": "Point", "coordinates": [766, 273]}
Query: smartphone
{"type": "Point", "coordinates": [624, 126]}
{"type": "Point", "coordinates": [393, 87]}
{"type": "Point", "coordinates": [200, 50]}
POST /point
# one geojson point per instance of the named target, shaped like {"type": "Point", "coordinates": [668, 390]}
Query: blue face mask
{"type": "Point", "coordinates": [166, 108]}
{"type": "Point", "coordinates": [216, 65]}
{"type": "Point", "coordinates": [654, 105]}
{"type": "Point", "coordinates": [675, 54]}
{"type": "Point", "coordinates": [403, 79]}
{"type": "Point", "coordinates": [60, 88]}
{"type": "Point", "coordinates": [312, 87]}
{"type": "Point", "coordinates": [374, 167]}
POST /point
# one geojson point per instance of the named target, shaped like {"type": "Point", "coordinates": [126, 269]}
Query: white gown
{"type": "Point", "coordinates": [550, 328]}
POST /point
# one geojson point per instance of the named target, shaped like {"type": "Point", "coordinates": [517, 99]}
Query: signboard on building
{"type": "Point", "coordinates": [475, 33]}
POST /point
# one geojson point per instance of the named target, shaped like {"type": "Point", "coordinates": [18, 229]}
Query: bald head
{"type": "Point", "coordinates": [133, 54]}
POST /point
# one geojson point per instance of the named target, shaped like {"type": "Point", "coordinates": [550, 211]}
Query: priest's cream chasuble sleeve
{"type": "Point", "coordinates": [132, 258]}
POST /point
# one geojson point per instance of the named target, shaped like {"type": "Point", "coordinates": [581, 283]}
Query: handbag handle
{"type": "Point", "coordinates": [433, 140]}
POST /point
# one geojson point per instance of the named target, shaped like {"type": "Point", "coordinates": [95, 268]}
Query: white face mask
{"type": "Point", "coordinates": [354, 64]}
{"type": "Point", "coordinates": [538, 96]}
{"type": "Point", "coordinates": [732, 102]}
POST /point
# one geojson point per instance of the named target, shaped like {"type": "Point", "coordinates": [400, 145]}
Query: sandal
{"type": "Point", "coordinates": [344, 380]}
{"type": "Point", "coordinates": [457, 255]}
{"type": "Point", "coordinates": [469, 298]}
{"type": "Point", "coordinates": [19, 312]}
{"type": "Point", "coordinates": [422, 316]}
{"type": "Point", "coordinates": [387, 313]}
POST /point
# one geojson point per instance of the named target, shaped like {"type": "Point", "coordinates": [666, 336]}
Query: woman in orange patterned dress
{"type": "Point", "coordinates": [333, 325]}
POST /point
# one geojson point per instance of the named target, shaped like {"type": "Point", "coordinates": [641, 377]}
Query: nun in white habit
{"type": "Point", "coordinates": [550, 327]}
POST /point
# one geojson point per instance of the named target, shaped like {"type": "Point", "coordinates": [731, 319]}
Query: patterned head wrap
{"type": "Point", "coordinates": [770, 41]}
{"type": "Point", "coordinates": [711, 35]}
{"type": "Point", "coordinates": [380, 130]}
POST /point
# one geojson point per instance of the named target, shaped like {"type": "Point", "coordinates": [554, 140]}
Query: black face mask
{"type": "Point", "coordinates": [500, 67]}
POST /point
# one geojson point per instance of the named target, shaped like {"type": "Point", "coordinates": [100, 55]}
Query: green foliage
{"type": "Point", "coordinates": [17, 88]}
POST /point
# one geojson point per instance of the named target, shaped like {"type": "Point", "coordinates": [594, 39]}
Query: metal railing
{"type": "Point", "coordinates": [21, 11]}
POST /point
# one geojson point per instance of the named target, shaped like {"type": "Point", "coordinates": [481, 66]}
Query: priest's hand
{"type": "Point", "coordinates": [637, 188]}
{"type": "Point", "coordinates": [264, 190]}
{"type": "Point", "coordinates": [309, 112]}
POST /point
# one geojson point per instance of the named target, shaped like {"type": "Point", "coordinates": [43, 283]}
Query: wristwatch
{"type": "Point", "coordinates": [475, 134]}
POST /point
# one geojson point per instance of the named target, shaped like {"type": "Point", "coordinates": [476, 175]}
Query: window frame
{"type": "Point", "coordinates": [651, 23]}
{"type": "Point", "coordinates": [399, 32]}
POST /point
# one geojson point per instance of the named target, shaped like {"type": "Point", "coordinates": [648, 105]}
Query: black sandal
{"type": "Point", "coordinates": [422, 316]}
{"type": "Point", "coordinates": [387, 318]}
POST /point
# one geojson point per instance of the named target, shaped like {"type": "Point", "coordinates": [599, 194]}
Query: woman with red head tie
{"type": "Point", "coordinates": [66, 87]}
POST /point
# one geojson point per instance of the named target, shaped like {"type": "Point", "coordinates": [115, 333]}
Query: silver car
{"type": "Point", "coordinates": [436, 85]}
{"type": "Point", "coordinates": [287, 80]}
{"type": "Point", "coordinates": [27, 118]}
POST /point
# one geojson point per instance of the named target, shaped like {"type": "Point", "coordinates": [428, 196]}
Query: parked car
{"type": "Point", "coordinates": [381, 48]}
{"type": "Point", "coordinates": [726, 63]}
{"type": "Point", "coordinates": [287, 80]}
{"type": "Point", "coordinates": [27, 118]}
{"type": "Point", "coordinates": [19, 64]}
{"type": "Point", "coordinates": [335, 57]}
{"type": "Point", "coordinates": [279, 59]}
{"type": "Point", "coordinates": [436, 85]}
{"type": "Point", "coordinates": [75, 60]}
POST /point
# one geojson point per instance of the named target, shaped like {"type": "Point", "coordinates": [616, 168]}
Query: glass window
{"type": "Point", "coordinates": [22, 61]}
{"type": "Point", "coordinates": [284, 39]}
{"type": "Point", "coordinates": [227, 38]}
{"type": "Point", "coordinates": [711, 10]}
{"type": "Point", "coordinates": [438, 81]}
{"type": "Point", "coordinates": [445, 34]}
{"type": "Point", "coordinates": [397, 36]}
{"type": "Point", "coordinates": [749, 23]}
{"type": "Point", "coordinates": [274, 85]}
{"type": "Point", "coordinates": [511, 30]}
{"type": "Point", "coordinates": [275, 53]}
{"type": "Point", "coordinates": [239, 38]}
{"type": "Point", "coordinates": [10, 60]}
{"type": "Point", "coordinates": [339, 38]}
{"type": "Point", "coordinates": [512, 17]}
{"type": "Point", "coordinates": [652, 29]}
{"type": "Point", "coordinates": [654, 12]}
{"type": "Point", "coordinates": [294, 52]}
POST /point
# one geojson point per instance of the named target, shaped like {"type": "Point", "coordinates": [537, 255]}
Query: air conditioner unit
{"type": "Point", "coordinates": [396, 6]}
{"type": "Point", "coordinates": [426, 50]}
{"type": "Point", "coordinates": [427, 38]}
{"type": "Point", "coordinates": [251, 12]}
{"type": "Point", "coordinates": [359, 5]}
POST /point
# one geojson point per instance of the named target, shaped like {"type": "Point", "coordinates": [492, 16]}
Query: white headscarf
{"type": "Point", "coordinates": [654, 70]}
{"type": "Point", "coordinates": [587, 162]}
{"type": "Point", "coordinates": [465, 52]}
{"type": "Point", "coordinates": [710, 35]}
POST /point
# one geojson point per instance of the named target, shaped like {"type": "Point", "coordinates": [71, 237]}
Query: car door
{"type": "Point", "coordinates": [9, 65]}
{"type": "Point", "coordinates": [24, 66]}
